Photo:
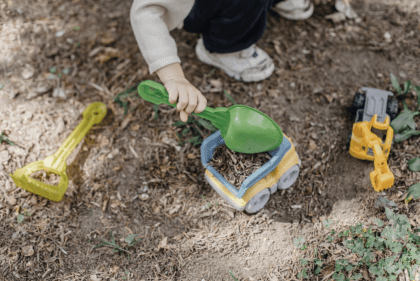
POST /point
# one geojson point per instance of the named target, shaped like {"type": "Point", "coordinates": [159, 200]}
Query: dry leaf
{"type": "Point", "coordinates": [216, 83]}
{"type": "Point", "coordinates": [230, 214]}
{"type": "Point", "coordinates": [163, 243]}
{"type": "Point", "coordinates": [104, 142]}
{"type": "Point", "coordinates": [105, 221]}
{"type": "Point", "coordinates": [28, 251]}
{"type": "Point", "coordinates": [175, 209]}
{"type": "Point", "coordinates": [312, 145]}
{"type": "Point", "coordinates": [33, 200]}
{"type": "Point", "coordinates": [109, 38]}
{"type": "Point", "coordinates": [94, 278]}
{"type": "Point", "coordinates": [193, 188]}
{"type": "Point", "coordinates": [135, 127]}
{"type": "Point", "coordinates": [113, 269]}
{"type": "Point", "coordinates": [126, 120]}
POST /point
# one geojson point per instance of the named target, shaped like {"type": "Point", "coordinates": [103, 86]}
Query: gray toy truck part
{"type": "Point", "coordinates": [376, 103]}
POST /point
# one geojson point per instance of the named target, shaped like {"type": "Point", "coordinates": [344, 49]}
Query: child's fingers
{"type": "Point", "coordinates": [202, 103]}
{"type": "Point", "coordinates": [184, 116]}
{"type": "Point", "coordinates": [183, 99]}
{"type": "Point", "coordinates": [192, 101]}
{"type": "Point", "coordinates": [173, 95]}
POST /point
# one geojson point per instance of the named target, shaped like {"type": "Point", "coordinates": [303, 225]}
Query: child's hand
{"type": "Point", "coordinates": [190, 98]}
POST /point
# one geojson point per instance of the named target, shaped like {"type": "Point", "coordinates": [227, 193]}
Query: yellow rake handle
{"type": "Point", "coordinates": [56, 163]}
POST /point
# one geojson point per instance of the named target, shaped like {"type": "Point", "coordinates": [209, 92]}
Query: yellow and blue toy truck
{"type": "Point", "coordinates": [280, 172]}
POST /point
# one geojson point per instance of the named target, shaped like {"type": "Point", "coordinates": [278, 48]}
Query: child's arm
{"type": "Point", "coordinates": [151, 21]}
{"type": "Point", "coordinates": [190, 98]}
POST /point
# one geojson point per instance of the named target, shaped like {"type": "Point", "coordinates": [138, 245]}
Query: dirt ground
{"type": "Point", "coordinates": [132, 175]}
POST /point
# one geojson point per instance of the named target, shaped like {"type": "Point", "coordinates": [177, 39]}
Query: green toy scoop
{"type": "Point", "coordinates": [244, 129]}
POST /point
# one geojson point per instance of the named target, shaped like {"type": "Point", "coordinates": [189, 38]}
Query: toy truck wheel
{"type": "Point", "coordinates": [359, 101]}
{"type": "Point", "coordinates": [392, 108]}
{"type": "Point", "coordinates": [258, 201]}
{"type": "Point", "coordinates": [288, 178]}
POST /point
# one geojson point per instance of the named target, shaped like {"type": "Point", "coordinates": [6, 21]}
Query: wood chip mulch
{"type": "Point", "coordinates": [235, 167]}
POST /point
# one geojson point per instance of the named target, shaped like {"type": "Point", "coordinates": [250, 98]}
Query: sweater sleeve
{"type": "Point", "coordinates": [152, 20]}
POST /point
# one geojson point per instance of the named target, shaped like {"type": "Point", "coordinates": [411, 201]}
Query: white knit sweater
{"type": "Point", "coordinates": [152, 20]}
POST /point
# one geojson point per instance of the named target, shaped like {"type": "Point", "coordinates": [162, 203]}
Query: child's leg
{"type": "Point", "coordinates": [229, 31]}
{"type": "Point", "coordinates": [228, 26]}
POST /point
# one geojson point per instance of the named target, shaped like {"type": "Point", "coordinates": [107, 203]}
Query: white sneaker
{"type": "Point", "coordinates": [249, 65]}
{"type": "Point", "coordinates": [295, 9]}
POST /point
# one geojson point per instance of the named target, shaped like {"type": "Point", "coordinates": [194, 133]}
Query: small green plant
{"type": "Point", "coordinates": [66, 71]}
{"type": "Point", "coordinates": [126, 94]}
{"type": "Point", "coordinates": [413, 192]}
{"type": "Point", "coordinates": [397, 243]}
{"type": "Point", "coordinates": [229, 97]}
{"type": "Point", "coordinates": [328, 223]}
{"type": "Point", "coordinates": [298, 242]}
{"type": "Point", "coordinates": [193, 129]}
{"type": "Point", "coordinates": [3, 138]}
{"type": "Point", "coordinates": [302, 274]}
{"type": "Point", "coordinates": [404, 125]}
{"type": "Point", "coordinates": [21, 217]}
{"type": "Point", "coordinates": [386, 203]}
{"type": "Point", "coordinates": [211, 73]}
{"type": "Point", "coordinates": [76, 28]}
{"type": "Point", "coordinates": [129, 239]}
{"type": "Point", "coordinates": [156, 109]}
{"type": "Point", "coordinates": [234, 278]}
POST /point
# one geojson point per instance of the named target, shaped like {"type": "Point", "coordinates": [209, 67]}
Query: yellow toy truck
{"type": "Point", "coordinates": [371, 136]}
{"type": "Point", "coordinates": [279, 173]}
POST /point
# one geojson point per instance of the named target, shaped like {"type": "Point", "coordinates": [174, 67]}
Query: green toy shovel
{"type": "Point", "coordinates": [243, 128]}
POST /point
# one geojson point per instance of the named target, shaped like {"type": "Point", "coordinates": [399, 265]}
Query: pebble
{"type": "Point", "coordinates": [144, 196]}
{"type": "Point", "coordinates": [58, 92]}
{"type": "Point", "coordinates": [60, 33]}
{"type": "Point", "coordinates": [27, 73]}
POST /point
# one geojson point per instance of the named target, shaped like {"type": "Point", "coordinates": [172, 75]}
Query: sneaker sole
{"type": "Point", "coordinates": [202, 56]}
{"type": "Point", "coordinates": [303, 16]}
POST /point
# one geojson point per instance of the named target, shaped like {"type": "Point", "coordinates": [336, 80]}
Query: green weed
{"type": "Point", "coordinates": [131, 241]}
{"type": "Point", "coordinates": [192, 129]}
{"type": "Point", "coordinates": [21, 217]}
{"type": "Point", "coordinates": [229, 97]}
{"type": "Point", "coordinates": [233, 276]}
{"type": "Point", "coordinates": [3, 138]}
{"type": "Point", "coordinates": [397, 242]}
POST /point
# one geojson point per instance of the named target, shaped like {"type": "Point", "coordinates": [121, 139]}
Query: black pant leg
{"type": "Point", "coordinates": [228, 26]}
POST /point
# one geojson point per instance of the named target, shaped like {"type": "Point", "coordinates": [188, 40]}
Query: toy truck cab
{"type": "Point", "coordinates": [280, 172]}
